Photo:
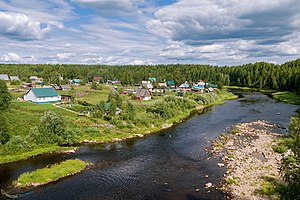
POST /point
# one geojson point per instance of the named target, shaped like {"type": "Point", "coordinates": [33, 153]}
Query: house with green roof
{"type": "Point", "coordinates": [42, 95]}
{"type": "Point", "coordinates": [171, 84]}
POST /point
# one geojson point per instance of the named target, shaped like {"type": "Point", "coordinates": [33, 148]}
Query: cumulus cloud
{"type": "Point", "coordinates": [15, 58]}
{"type": "Point", "coordinates": [198, 21]}
{"type": "Point", "coordinates": [21, 27]}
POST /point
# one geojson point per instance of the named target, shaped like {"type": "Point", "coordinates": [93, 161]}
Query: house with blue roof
{"type": "Point", "coordinates": [199, 86]}
{"type": "Point", "coordinates": [185, 86]}
{"type": "Point", "coordinates": [42, 95]}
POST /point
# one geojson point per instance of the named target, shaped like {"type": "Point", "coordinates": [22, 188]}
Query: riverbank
{"type": "Point", "coordinates": [50, 174]}
{"type": "Point", "coordinates": [252, 164]}
{"type": "Point", "coordinates": [92, 130]}
{"type": "Point", "coordinates": [250, 89]}
{"type": "Point", "coordinates": [287, 97]}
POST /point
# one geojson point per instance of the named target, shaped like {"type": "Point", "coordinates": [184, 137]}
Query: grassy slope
{"type": "Point", "coordinates": [24, 115]}
{"type": "Point", "coordinates": [53, 173]}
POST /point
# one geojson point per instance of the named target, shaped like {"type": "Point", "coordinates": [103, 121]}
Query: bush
{"type": "Point", "coordinates": [280, 149]}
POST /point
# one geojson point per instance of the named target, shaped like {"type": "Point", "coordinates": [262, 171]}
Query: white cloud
{"type": "Point", "coordinates": [20, 26]}
{"type": "Point", "coordinates": [64, 56]}
{"type": "Point", "coordinates": [15, 58]}
{"type": "Point", "coordinates": [111, 7]}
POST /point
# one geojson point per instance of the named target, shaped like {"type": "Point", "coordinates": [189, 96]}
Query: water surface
{"type": "Point", "coordinates": [169, 165]}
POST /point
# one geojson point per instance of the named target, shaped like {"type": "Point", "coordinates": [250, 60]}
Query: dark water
{"type": "Point", "coordinates": [169, 165]}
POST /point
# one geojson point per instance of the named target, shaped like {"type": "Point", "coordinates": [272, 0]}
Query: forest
{"type": "Point", "coordinates": [262, 75]}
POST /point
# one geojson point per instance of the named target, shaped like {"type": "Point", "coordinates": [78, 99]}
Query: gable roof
{"type": "Point", "coordinates": [171, 82]}
{"type": "Point", "coordinates": [65, 87]}
{"type": "Point", "coordinates": [44, 92]}
{"type": "Point", "coordinates": [184, 85]}
{"type": "Point", "coordinates": [141, 92]}
{"type": "Point", "coordinates": [76, 80]}
{"type": "Point", "coordinates": [4, 77]}
{"type": "Point", "coordinates": [14, 78]}
{"type": "Point", "coordinates": [33, 78]}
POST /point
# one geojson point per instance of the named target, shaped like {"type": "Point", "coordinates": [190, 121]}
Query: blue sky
{"type": "Point", "coordinates": [121, 32]}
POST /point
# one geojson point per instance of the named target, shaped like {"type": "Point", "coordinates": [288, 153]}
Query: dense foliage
{"type": "Point", "coordinates": [260, 75]}
{"type": "Point", "coordinates": [51, 130]}
{"type": "Point", "coordinates": [5, 99]}
{"type": "Point", "coordinates": [291, 162]}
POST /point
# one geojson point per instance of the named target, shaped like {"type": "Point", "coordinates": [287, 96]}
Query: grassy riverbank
{"type": "Point", "coordinates": [34, 152]}
{"type": "Point", "coordinates": [50, 174]}
{"type": "Point", "coordinates": [287, 97]}
{"type": "Point", "coordinates": [249, 89]}
{"type": "Point", "coordinates": [148, 117]}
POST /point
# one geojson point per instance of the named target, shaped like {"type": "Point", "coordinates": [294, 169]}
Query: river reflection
{"type": "Point", "coordinates": [171, 164]}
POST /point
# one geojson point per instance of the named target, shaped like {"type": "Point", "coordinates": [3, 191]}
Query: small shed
{"type": "Point", "coordinates": [4, 77]}
{"type": "Point", "coordinates": [143, 94]}
{"type": "Point", "coordinates": [42, 95]}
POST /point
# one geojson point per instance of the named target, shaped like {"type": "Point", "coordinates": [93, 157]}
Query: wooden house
{"type": "Point", "coordinates": [143, 94]}
{"type": "Point", "coordinates": [97, 79]}
{"type": "Point", "coordinates": [65, 87]}
{"type": "Point", "coordinates": [42, 95]}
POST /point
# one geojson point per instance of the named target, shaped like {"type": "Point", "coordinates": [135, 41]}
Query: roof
{"type": "Point", "coordinates": [65, 87]}
{"type": "Point", "coordinates": [4, 77]}
{"type": "Point", "coordinates": [44, 92]}
{"type": "Point", "coordinates": [171, 82]}
{"type": "Point", "coordinates": [185, 85]}
{"type": "Point", "coordinates": [12, 78]}
{"type": "Point", "coordinates": [76, 80]}
{"type": "Point", "coordinates": [198, 87]}
{"type": "Point", "coordinates": [33, 78]}
{"type": "Point", "coordinates": [97, 78]}
{"type": "Point", "coordinates": [141, 92]}
{"type": "Point", "coordinates": [152, 79]}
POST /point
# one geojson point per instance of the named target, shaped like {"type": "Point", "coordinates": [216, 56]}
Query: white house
{"type": "Point", "coordinates": [42, 95]}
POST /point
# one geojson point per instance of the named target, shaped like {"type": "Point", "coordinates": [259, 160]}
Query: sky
{"type": "Point", "coordinates": [149, 32]}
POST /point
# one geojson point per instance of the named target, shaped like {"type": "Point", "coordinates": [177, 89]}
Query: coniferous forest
{"type": "Point", "coordinates": [262, 75]}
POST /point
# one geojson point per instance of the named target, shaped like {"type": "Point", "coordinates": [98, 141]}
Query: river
{"type": "Point", "coordinates": [171, 164]}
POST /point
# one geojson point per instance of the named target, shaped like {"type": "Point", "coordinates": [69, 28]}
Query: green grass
{"type": "Point", "coordinates": [287, 97]}
{"type": "Point", "coordinates": [53, 173]}
{"type": "Point", "coordinates": [250, 89]}
{"type": "Point", "coordinates": [271, 188]}
{"type": "Point", "coordinates": [4, 158]}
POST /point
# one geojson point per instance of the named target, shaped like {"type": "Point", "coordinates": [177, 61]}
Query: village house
{"type": "Point", "coordinates": [4, 77]}
{"type": "Point", "coordinates": [147, 85]}
{"type": "Point", "coordinates": [65, 87]}
{"type": "Point", "coordinates": [171, 84]}
{"type": "Point", "coordinates": [14, 78]}
{"type": "Point", "coordinates": [115, 82]}
{"type": "Point", "coordinates": [142, 94]}
{"type": "Point", "coordinates": [33, 79]}
{"type": "Point", "coordinates": [185, 86]}
{"type": "Point", "coordinates": [162, 85]}
{"type": "Point", "coordinates": [152, 79]}
{"type": "Point", "coordinates": [42, 95]}
{"type": "Point", "coordinates": [97, 79]}
{"type": "Point", "coordinates": [199, 86]}
{"type": "Point", "coordinates": [76, 81]}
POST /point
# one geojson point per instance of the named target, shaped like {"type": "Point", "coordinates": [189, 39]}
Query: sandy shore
{"type": "Point", "coordinates": [249, 157]}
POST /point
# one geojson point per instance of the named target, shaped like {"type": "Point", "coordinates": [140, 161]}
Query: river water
{"type": "Point", "coordinates": [171, 164]}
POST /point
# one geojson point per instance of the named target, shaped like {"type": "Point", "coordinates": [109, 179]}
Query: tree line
{"type": "Point", "coordinates": [259, 75]}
